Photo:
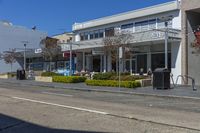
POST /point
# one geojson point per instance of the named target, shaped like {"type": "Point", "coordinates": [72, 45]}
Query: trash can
{"type": "Point", "coordinates": [161, 78]}
{"type": "Point", "coordinates": [18, 74]}
{"type": "Point", "coordinates": [21, 75]}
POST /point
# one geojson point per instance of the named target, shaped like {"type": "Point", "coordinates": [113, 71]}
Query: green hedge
{"type": "Point", "coordinates": [114, 76]}
{"type": "Point", "coordinates": [128, 77]}
{"type": "Point", "coordinates": [68, 79]}
{"type": "Point", "coordinates": [103, 76]}
{"type": "Point", "coordinates": [49, 74]}
{"type": "Point", "coordinates": [113, 83]}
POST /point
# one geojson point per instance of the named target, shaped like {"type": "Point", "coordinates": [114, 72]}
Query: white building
{"type": "Point", "coordinates": [14, 37]}
{"type": "Point", "coordinates": [146, 46]}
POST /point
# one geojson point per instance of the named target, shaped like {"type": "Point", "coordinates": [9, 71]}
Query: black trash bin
{"type": "Point", "coordinates": [21, 75]}
{"type": "Point", "coordinates": [18, 74]}
{"type": "Point", "coordinates": [161, 78]}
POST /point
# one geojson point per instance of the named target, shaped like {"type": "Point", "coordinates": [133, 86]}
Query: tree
{"type": "Point", "coordinates": [114, 42]}
{"type": "Point", "coordinates": [196, 44]}
{"type": "Point", "coordinates": [50, 49]}
{"type": "Point", "coordinates": [9, 57]}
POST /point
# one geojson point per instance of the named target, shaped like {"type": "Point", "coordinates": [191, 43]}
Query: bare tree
{"type": "Point", "coordinates": [50, 49]}
{"type": "Point", "coordinates": [9, 57]}
{"type": "Point", "coordinates": [113, 43]}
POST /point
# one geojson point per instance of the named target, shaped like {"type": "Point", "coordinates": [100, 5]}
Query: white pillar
{"type": "Point", "coordinates": [149, 58]}
{"type": "Point", "coordinates": [148, 61]}
{"type": "Point", "coordinates": [109, 62]}
{"type": "Point", "coordinates": [176, 61]}
{"type": "Point", "coordinates": [83, 61]}
{"type": "Point", "coordinates": [131, 65]}
{"type": "Point", "coordinates": [101, 63]}
{"type": "Point", "coordinates": [105, 63]}
{"type": "Point", "coordinates": [87, 59]}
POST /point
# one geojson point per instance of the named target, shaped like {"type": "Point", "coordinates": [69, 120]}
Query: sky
{"type": "Point", "coordinates": [58, 16]}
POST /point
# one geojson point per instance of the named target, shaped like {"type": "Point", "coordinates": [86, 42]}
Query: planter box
{"type": "Point", "coordinates": [43, 79]}
{"type": "Point", "coordinates": [4, 76]}
{"type": "Point", "coordinates": [146, 82]}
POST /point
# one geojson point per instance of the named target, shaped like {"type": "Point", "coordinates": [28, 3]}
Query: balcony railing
{"type": "Point", "coordinates": [134, 38]}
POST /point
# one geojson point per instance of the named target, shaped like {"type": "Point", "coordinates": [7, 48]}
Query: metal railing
{"type": "Point", "coordinates": [183, 77]}
{"type": "Point", "coordinates": [133, 38]}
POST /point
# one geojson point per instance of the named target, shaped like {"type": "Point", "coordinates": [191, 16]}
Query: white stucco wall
{"type": "Point", "coordinates": [176, 22]}
{"type": "Point", "coordinates": [176, 60]}
{"type": "Point", "coordinates": [13, 37]}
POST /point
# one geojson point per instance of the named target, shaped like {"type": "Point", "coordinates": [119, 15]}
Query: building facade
{"type": "Point", "coordinates": [14, 37]}
{"type": "Point", "coordinates": [146, 46]}
{"type": "Point", "coordinates": [38, 61]}
{"type": "Point", "coordinates": [190, 10]}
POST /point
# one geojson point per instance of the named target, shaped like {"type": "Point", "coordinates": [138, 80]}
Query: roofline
{"type": "Point", "coordinates": [173, 5]}
{"type": "Point", "coordinates": [67, 33]}
{"type": "Point", "coordinates": [11, 25]}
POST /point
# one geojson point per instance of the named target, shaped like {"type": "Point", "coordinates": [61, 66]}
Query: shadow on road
{"type": "Point", "coordinates": [13, 125]}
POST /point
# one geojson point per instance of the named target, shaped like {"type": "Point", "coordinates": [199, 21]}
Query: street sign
{"type": "Point", "coordinates": [120, 52]}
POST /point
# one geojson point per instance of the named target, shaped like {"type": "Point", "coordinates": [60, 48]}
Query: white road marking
{"type": "Point", "coordinates": [63, 106]}
{"type": "Point", "coordinates": [57, 94]}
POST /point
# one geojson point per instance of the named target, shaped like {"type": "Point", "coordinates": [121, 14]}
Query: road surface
{"type": "Point", "coordinates": [38, 110]}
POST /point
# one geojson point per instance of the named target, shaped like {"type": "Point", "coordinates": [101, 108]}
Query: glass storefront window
{"type": "Point", "coordinates": [86, 36]}
{"type": "Point", "coordinates": [91, 35]}
{"type": "Point", "coordinates": [152, 24]}
{"type": "Point", "coordinates": [109, 32]}
{"type": "Point", "coordinates": [61, 65]}
{"type": "Point", "coordinates": [82, 36]}
{"type": "Point", "coordinates": [101, 33]}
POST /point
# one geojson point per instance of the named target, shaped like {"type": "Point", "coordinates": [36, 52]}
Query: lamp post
{"type": "Point", "coordinates": [166, 45]}
{"type": "Point", "coordinates": [166, 19]}
{"type": "Point", "coordinates": [24, 57]}
{"type": "Point", "coordinates": [70, 66]}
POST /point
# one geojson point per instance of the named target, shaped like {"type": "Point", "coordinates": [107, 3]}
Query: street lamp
{"type": "Point", "coordinates": [166, 45]}
{"type": "Point", "coordinates": [25, 57]}
{"type": "Point", "coordinates": [166, 19]}
{"type": "Point", "coordinates": [70, 66]}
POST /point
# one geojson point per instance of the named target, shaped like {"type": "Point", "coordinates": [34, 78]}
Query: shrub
{"type": "Point", "coordinates": [114, 76]}
{"type": "Point", "coordinates": [68, 79]}
{"type": "Point", "coordinates": [113, 83]}
{"type": "Point", "coordinates": [49, 74]}
{"type": "Point", "coordinates": [128, 77]}
{"type": "Point", "coordinates": [103, 76]}
{"type": "Point", "coordinates": [11, 74]}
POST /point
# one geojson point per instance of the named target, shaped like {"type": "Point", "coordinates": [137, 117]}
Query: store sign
{"type": "Point", "coordinates": [38, 51]}
{"type": "Point", "coordinates": [156, 35]}
{"type": "Point", "coordinates": [97, 52]}
{"type": "Point", "coordinates": [67, 55]}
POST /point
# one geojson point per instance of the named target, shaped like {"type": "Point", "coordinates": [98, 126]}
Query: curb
{"type": "Point", "coordinates": [109, 91]}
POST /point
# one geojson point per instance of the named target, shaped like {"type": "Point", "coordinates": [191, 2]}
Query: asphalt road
{"type": "Point", "coordinates": [28, 109]}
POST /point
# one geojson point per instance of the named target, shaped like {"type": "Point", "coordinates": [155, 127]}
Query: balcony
{"type": "Point", "coordinates": [135, 38]}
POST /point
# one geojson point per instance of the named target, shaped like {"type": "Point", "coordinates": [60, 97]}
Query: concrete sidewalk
{"type": "Point", "coordinates": [178, 92]}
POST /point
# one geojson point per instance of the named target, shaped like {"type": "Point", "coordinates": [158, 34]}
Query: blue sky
{"type": "Point", "coordinates": [57, 16]}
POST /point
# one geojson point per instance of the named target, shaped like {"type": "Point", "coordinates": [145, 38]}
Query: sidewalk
{"type": "Point", "coordinates": [178, 92]}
